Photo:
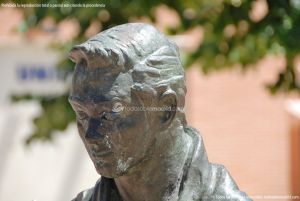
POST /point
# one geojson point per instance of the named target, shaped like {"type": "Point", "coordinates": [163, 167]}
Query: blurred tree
{"type": "Point", "coordinates": [237, 33]}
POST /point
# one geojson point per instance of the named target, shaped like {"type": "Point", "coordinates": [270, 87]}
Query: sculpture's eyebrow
{"type": "Point", "coordinates": [82, 102]}
{"type": "Point", "coordinates": [94, 99]}
{"type": "Point", "coordinates": [75, 99]}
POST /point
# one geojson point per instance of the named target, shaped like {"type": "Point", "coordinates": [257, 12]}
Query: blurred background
{"type": "Point", "coordinates": [242, 68]}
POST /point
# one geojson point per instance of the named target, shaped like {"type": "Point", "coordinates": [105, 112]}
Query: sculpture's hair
{"type": "Point", "coordinates": [152, 59]}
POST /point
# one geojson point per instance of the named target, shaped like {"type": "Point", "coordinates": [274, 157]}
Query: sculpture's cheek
{"type": "Point", "coordinates": [125, 124]}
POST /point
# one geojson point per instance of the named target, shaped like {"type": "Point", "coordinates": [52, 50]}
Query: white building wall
{"type": "Point", "coordinates": [44, 171]}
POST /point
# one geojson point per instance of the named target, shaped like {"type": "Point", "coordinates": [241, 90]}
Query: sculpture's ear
{"type": "Point", "coordinates": [168, 105]}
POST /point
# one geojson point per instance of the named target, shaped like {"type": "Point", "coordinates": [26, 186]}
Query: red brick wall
{"type": "Point", "coordinates": [243, 126]}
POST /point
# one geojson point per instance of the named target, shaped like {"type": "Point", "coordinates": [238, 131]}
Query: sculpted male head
{"type": "Point", "coordinates": [134, 67]}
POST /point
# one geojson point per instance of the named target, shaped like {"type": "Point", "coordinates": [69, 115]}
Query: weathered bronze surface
{"type": "Point", "coordinates": [128, 93]}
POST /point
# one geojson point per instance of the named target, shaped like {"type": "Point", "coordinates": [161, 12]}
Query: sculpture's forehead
{"type": "Point", "coordinates": [100, 86]}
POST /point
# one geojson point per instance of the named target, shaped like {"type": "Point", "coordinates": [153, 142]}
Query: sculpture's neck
{"type": "Point", "coordinates": [159, 177]}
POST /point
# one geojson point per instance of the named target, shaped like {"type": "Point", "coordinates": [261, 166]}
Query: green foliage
{"type": "Point", "coordinates": [231, 38]}
{"type": "Point", "coordinates": [56, 114]}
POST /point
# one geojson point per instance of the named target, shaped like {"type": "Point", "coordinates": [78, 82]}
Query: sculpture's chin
{"type": "Point", "coordinates": [109, 173]}
{"type": "Point", "coordinates": [108, 170]}
{"type": "Point", "coordinates": [113, 167]}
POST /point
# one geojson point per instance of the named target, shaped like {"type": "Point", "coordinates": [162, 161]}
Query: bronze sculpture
{"type": "Point", "coordinates": [128, 92]}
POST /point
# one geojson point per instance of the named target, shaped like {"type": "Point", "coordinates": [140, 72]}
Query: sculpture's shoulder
{"type": "Point", "coordinates": [214, 181]}
{"type": "Point", "coordinates": [84, 195]}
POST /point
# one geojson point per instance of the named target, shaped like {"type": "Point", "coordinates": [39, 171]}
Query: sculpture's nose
{"type": "Point", "coordinates": [92, 132]}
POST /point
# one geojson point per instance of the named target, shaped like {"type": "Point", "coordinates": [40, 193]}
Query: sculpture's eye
{"type": "Point", "coordinates": [81, 115]}
{"type": "Point", "coordinates": [110, 116]}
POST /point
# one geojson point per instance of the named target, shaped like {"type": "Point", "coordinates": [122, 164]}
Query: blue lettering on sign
{"type": "Point", "coordinates": [39, 73]}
